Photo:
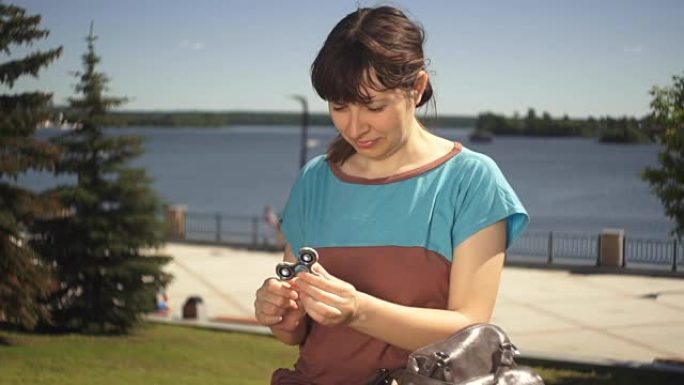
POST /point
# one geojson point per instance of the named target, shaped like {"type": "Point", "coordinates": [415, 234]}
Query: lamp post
{"type": "Point", "coordinates": [305, 123]}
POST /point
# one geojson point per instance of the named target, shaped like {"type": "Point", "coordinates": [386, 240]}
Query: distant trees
{"type": "Point", "coordinates": [185, 119]}
{"type": "Point", "coordinates": [667, 180]}
{"type": "Point", "coordinates": [607, 129]}
{"type": "Point", "coordinates": [24, 279]}
{"type": "Point", "coordinates": [490, 123]}
{"type": "Point", "coordinates": [623, 130]}
{"type": "Point", "coordinates": [530, 125]}
{"type": "Point", "coordinates": [103, 245]}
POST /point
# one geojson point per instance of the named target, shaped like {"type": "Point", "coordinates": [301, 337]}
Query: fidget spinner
{"type": "Point", "coordinates": [306, 258]}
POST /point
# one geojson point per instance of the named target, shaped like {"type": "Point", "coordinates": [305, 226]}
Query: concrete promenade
{"type": "Point", "coordinates": [545, 312]}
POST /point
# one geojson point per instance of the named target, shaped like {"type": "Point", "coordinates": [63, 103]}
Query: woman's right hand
{"type": "Point", "coordinates": [277, 305]}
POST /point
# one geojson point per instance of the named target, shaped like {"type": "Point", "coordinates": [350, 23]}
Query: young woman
{"type": "Point", "coordinates": [411, 228]}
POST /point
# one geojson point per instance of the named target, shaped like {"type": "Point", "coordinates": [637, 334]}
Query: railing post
{"type": "Point", "coordinates": [612, 251]}
{"type": "Point", "coordinates": [218, 228]}
{"type": "Point", "coordinates": [255, 230]}
{"type": "Point", "coordinates": [624, 254]}
{"type": "Point", "coordinates": [550, 258]}
{"type": "Point", "coordinates": [598, 251]}
{"type": "Point", "coordinates": [176, 226]}
{"type": "Point", "coordinates": [674, 254]}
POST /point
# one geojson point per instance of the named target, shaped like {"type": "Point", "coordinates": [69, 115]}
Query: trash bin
{"type": "Point", "coordinates": [612, 252]}
{"type": "Point", "coordinates": [193, 308]}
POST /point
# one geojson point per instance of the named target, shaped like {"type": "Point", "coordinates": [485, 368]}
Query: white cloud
{"type": "Point", "coordinates": [634, 49]}
{"type": "Point", "coordinates": [193, 45]}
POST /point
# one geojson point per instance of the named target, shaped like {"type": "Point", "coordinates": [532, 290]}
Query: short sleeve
{"type": "Point", "coordinates": [292, 219]}
{"type": "Point", "coordinates": [484, 198]}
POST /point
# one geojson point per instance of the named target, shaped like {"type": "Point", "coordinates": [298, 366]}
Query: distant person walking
{"type": "Point", "coordinates": [411, 228]}
{"type": "Point", "coordinates": [272, 234]}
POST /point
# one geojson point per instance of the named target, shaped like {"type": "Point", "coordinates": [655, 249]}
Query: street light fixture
{"type": "Point", "coordinates": [305, 124]}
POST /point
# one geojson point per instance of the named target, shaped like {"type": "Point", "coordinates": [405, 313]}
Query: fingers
{"type": "Point", "coordinates": [323, 281]}
{"type": "Point", "coordinates": [273, 300]}
{"type": "Point", "coordinates": [326, 299]}
{"type": "Point", "coordinates": [274, 288]}
{"type": "Point", "coordinates": [267, 313]}
{"type": "Point", "coordinates": [321, 312]}
{"type": "Point", "coordinates": [323, 293]}
{"type": "Point", "coordinates": [318, 269]}
{"type": "Point", "coordinates": [268, 320]}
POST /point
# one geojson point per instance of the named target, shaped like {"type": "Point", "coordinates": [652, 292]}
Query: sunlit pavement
{"type": "Point", "coordinates": [554, 312]}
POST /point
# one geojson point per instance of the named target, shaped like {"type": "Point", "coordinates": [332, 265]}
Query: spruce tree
{"type": "Point", "coordinates": [23, 278]}
{"type": "Point", "coordinates": [103, 247]}
{"type": "Point", "coordinates": [667, 180]}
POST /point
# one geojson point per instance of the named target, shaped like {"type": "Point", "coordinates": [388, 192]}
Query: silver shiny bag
{"type": "Point", "coordinates": [481, 354]}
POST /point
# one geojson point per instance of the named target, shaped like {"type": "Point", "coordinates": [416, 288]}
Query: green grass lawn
{"type": "Point", "coordinates": [160, 354]}
{"type": "Point", "coordinates": [156, 354]}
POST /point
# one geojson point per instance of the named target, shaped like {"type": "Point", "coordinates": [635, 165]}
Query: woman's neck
{"type": "Point", "coordinates": [419, 148]}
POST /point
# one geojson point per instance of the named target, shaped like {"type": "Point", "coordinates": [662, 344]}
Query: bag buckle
{"type": "Point", "coordinates": [382, 377]}
{"type": "Point", "coordinates": [508, 352]}
{"type": "Point", "coordinates": [440, 362]}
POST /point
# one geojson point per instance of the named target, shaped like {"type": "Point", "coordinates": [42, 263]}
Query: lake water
{"type": "Point", "coordinates": [571, 184]}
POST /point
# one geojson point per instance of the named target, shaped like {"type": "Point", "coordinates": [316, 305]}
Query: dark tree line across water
{"type": "Point", "coordinates": [243, 118]}
{"type": "Point", "coordinates": [608, 129]}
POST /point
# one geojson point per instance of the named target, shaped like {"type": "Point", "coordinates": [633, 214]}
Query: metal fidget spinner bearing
{"type": "Point", "coordinates": [306, 258]}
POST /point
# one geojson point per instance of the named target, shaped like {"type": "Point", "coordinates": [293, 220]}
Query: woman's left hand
{"type": "Point", "coordinates": [328, 300]}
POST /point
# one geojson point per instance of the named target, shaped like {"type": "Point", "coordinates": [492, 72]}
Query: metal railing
{"type": "Point", "coordinates": [585, 249]}
{"type": "Point", "coordinates": [556, 247]}
{"type": "Point", "coordinates": [641, 252]}
{"type": "Point", "coordinates": [533, 246]}
{"type": "Point", "coordinates": [220, 228]}
{"type": "Point", "coordinates": [545, 247]}
{"type": "Point", "coordinates": [575, 247]}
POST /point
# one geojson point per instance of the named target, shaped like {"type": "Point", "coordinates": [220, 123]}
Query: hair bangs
{"type": "Point", "coordinates": [346, 75]}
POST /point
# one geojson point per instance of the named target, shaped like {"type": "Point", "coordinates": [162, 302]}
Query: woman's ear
{"type": "Point", "coordinates": [419, 86]}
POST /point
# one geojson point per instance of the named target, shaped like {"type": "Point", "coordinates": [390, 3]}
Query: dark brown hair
{"type": "Point", "coordinates": [380, 39]}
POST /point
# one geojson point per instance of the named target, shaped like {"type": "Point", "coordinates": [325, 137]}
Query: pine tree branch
{"type": "Point", "coordinates": [17, 28]}
{"type": "Point", "coordinates": [23, 100]}
{"type": "Point", "coordinates": [29, 65]}
{"type": "Point", "coordinates": [22, 206]}
{"type": "Point", "coordinates": [20, 154]}
{"type": "Point", "coordinates": [22, 122]}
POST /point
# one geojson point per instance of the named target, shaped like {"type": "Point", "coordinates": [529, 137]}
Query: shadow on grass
{"type": "Point", "coordinates": [578, 377]}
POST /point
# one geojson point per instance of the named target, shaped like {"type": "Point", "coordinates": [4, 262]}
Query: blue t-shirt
{"type": "Point", "coordinates": [436, 208]}
{"type": "Point", "coordinates": [392, 238]}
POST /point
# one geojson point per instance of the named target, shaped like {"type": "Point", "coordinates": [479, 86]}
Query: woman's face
{"type": "Point", "coordinates": [378, 129]}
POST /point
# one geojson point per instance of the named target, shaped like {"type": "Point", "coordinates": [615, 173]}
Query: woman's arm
{"type": "Point", "coordinates": [474, 281]}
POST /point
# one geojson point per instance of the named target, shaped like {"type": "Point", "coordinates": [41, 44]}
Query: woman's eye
{"type": "Point", "coordinates": [339, 107]}
{"type": "Point", "coordinates": [376, 109]}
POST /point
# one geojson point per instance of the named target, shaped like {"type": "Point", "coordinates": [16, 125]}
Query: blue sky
{"type": "Point", "coordinates": [581, 58]}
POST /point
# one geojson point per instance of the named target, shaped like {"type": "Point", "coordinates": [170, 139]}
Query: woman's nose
{"type": "Point", "coordinates": [355, 126]}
